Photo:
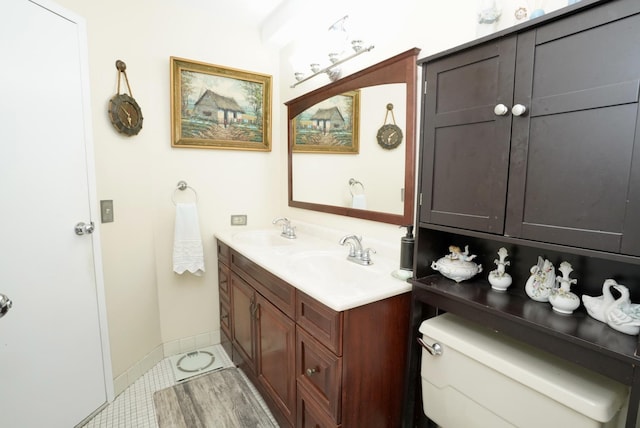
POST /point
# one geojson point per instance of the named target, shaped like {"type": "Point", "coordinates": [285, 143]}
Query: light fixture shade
{"type": "Point", "coordinates": [337, 38]}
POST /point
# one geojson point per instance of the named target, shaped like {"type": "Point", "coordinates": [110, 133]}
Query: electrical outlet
{"type": "Point", "coordinates": [238, 219]}
{"type": "Point", "coordinates": [106, 211]}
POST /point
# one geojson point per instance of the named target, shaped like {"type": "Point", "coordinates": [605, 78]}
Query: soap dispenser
{"type": "Point", "coordinates": [407, 243]}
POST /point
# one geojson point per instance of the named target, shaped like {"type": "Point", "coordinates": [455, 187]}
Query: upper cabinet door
{"type": "Point", "coordinates": [465, 153]}
{"type": "Point", "coordinates": [574, 175]}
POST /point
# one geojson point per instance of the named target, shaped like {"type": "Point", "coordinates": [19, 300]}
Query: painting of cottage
{"type": "Point", "coordinates": [217, 107]}
{"type": "Point", "coordinates": [220, 109]}
{"type": "Point", "coordinates": [330, 126]}
{"type": "Point", "coordinates": [328, 119]}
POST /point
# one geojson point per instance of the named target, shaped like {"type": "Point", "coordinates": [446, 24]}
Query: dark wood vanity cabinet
{"type": "Point", "coordinates": [563, 171]}
{"type": "Point", "coordinates": [314, 366]}
{"type": "Point", "coordinates": [264, 335]}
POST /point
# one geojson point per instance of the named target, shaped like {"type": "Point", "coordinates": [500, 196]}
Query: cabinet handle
{"type": "Point", "coordinates": [518, 110]}
{"type": "Point", "coordinates": [311, 372]}
{"type": "Point", "coordinates": [252, 307]}
{"type": "Point", "coordinates": [434, 349]}
{"type": "Point", "coordinates": [500, 110]}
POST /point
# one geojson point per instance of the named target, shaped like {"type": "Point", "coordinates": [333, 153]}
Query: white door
{"type": "Point", "coordinates": [53, 359]}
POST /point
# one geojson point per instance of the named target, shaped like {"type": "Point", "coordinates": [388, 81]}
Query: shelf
{"type": "Point", "coordinates": [577, 337]}
{"type": "Point", "coordinates": [615, 257]}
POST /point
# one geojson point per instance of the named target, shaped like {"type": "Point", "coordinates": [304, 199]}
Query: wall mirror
{"type": "Point", "coordinates": [349, 167]}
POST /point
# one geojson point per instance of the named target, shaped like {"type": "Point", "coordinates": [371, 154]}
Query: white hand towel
{"type": "Point", "coordinates": [188, 254]}
{"type": "Point", "coordinates": [359, 201]}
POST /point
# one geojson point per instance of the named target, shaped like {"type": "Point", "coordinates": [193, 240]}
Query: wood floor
{"type": "Point", "coordinates": [221, 399]}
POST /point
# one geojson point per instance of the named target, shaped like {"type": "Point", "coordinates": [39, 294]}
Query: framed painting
{"type": "Point", "coordinates": [215, 107]}
{"type": "Point", "coordinates": [331, 126]}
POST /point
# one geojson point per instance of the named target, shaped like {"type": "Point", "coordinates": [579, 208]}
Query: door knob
{"type": "Point", "coordinates": [518, 110]}
{"type": "Point", "coordinates": [5, 304]}
{"type": "Point", "coordinates": [82, 228]}
{"type": "Point", "coordinates": [500, 110]}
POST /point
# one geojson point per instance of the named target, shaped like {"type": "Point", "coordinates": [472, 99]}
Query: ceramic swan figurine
{"type": "Point", "coordinates": [622, 315]}
{"type": "Point", "coordinates": [596, 306]}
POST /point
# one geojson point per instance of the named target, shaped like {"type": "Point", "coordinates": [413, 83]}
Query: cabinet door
{"type": "Point", "coordinates": [276, 346]}
{"type": "Point", "coordinates": [465, 154]}
{"type": "Point", "coordinates": [243, 307]}
{"type": "Point", "coordinates": [573, 165]}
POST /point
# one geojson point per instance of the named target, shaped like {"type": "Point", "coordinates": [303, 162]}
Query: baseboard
{"type": "Point", "coordinates": [174, 347]}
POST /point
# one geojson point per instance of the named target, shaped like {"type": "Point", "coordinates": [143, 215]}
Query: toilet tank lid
{"type": "Point", "coordinates": [585, 391]}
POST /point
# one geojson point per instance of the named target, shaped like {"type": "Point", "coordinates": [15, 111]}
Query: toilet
{"type": "Point", "coordinates": [484, 379]}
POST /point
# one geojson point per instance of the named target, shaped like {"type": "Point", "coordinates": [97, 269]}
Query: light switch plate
{"type": "Point", "coordinates": [106, 211]}
{"type": "Point", "coordinates": [238, 220]}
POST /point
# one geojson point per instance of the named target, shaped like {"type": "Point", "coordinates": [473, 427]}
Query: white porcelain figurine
{"type": "Point", "coordinates": [498, 278]}
{"type": "Point", "coordinates": [562, 299]}
{"type": "Point", "coordinates": [622, 315]}
{"type": "Point", "coordinates": [457, 265]}
{"type": "Point", "coordinates": [596, 306]}
{"type": "Point", "coordinates": [541, 281]}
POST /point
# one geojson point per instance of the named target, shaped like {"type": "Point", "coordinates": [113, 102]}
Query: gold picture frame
{"type": "Point", "coordinates": [216, 107]}
{"type": "Point", "coordinates": [331, 126]}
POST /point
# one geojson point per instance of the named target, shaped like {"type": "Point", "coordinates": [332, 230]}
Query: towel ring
{"type": "Point", "coordinates": [353, 183]}
{"type": "Point", "coordinates": [182, 185]}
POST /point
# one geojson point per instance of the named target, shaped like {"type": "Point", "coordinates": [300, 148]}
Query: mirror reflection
{"type": "Point", "coordinates": [372, 178]}
{"type": "Point", "coordinates": [357, 159]}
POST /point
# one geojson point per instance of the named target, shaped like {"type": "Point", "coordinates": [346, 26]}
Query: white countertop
{"type": "Point", "coordinates": [316, 264]}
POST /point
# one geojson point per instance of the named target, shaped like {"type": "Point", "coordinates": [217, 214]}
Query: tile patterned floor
{"type": "Point", "coordinates": [134, 407]}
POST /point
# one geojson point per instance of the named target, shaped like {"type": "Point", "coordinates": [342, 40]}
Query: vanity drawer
{"type": "Point", "coordinates": [223, 252]}
{"type": "Point", "coordinates": [320, 372]}
{"type": "Point", "coordinates": [278, 292]}
{"type": "Point", "coordinates": [309, 412]}
{"type": "Point", "coordinates": [322, 322]}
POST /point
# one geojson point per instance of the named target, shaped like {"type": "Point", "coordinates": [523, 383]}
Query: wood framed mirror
{"type": "Point", "coordinates": [328, 181]}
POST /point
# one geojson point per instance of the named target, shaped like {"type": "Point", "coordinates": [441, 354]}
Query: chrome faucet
{"type": "Point", "coordinates": [288, 231]}
{"type": "Point", "coordinates": [356, 253]}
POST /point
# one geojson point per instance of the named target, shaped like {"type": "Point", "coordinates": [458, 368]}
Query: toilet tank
{"type": "Point", "coordinates": [484, 379]}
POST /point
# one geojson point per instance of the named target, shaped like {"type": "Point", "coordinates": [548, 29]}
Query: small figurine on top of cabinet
{"type": "Point", "coordinates": [541, 281]}
{"type": "Point", "coordinates": [499, 279]}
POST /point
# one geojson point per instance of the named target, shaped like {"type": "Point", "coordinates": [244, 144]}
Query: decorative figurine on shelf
{"type": "Point", "coordinates": [541, 281]}
{"type": "Point", "coordinates": [622, 315]}
{"type": "Point", "coordinates": [499, 278]}
{"type": "Point", "coordinates": [596, 306]}
{"type": "Point", "coordinates": [562, 299]}
{"type": "Point", "coordinates": [457, 265]}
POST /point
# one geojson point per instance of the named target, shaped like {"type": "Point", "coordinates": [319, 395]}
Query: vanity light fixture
{"type": "Point", "coordinates": [332, 70]}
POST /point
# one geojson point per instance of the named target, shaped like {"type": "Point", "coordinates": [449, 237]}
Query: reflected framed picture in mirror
{"type": "Point", "coordinates": [331, 126]}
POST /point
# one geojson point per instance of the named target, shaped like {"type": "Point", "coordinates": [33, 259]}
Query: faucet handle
{"type": "Point", "coordinates": [366, 255]}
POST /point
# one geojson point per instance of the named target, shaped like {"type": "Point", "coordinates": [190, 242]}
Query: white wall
{"type": "Point", "coordinates": [147, 303]}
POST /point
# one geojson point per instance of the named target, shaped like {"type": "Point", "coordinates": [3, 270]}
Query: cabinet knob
{"type": "Point", "coordinates": [518, 110]}
{"type": "Point", "coordinates": [311, 372]}
{"type": "Point", "coordinates": [500, 110]}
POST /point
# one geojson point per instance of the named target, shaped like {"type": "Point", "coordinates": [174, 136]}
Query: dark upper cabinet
{"type": "Point", "coordinates": [565, 171]}
{"type": "Point", "coordinates": [465, 157]}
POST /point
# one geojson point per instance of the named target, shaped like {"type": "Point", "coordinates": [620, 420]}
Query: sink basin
{"type": "Point", "coordinates": [262, 238]}
{"type": "Point", "coordinates": [333, 266]}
